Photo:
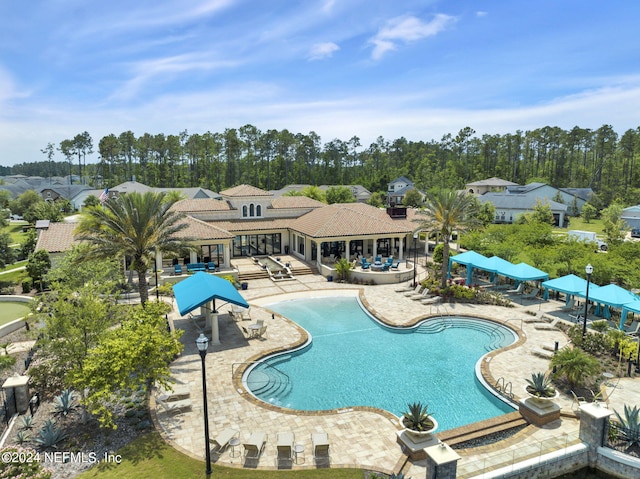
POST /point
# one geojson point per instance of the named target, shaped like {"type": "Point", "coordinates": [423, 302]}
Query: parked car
{"type": "Point", "coordinates": [635, 233]}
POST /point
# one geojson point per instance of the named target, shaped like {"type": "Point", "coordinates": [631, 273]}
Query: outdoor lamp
{"type": "Point", "coordinates": [203, 343]}
{"type": "Point", "coordinates": [589, 270]}
{"type": "Point", "coordinates": [415, 256]}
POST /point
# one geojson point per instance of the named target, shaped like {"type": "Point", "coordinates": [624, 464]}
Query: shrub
{"type": "Point", "coordinates": [540, 385]}
{"type": "Point", "coordinates": [417, 418]}
{"type": "Point", "coordinates": [64, 403]}
{"type": "Point", "coordinates": [22, 437]}
{"type": "Point", "coordinates": [32, 470]}
{"type": "Point", "coordinates": [6, 361]}
{"type": "Point", "coordinates": [630, 421]}
{"type": "Point", "coordinates": [575, 365]}
{"type": "Point", "coordinates": [27, 422]}
{"type": "Point", "coordinates": [49, 435]}
{"type": "Point", "coordinates": [26, 286]}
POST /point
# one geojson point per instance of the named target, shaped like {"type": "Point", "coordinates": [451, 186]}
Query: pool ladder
{"type": "Point", "coordinates": [504, 387]}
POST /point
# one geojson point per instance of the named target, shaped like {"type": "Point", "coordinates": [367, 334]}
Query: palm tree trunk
{"type": "Point", "coordinates": [142, 286]}
{"type": "Point", "coordinates": [445, 261]}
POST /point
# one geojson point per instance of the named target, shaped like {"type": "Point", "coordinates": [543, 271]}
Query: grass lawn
{"type": "Point", "coordinates": [11, 311]}
{"type": "Point", "coordinates": [15, 232]}
{"type": "Point", "coordinates": [578, 223]}
{"type": "Point", "coordinates": [149, 457]}
{"type": "Point", "coordinates": [15, 276]}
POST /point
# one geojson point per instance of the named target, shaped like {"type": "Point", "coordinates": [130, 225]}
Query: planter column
{"type": "Point", "coordinates": [442, 462]}
{"type": "Point", "coordinates": [593, 425]}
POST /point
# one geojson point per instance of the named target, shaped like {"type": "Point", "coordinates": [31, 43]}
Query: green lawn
{"type": "Point", "coordinates": [11, 311]}
{"type": "Point", "coordinates": [579, 224]}
{"type": "Point", "coordinates": [149, 457]}
{"type": "Point", "coordinates": [15, 232]}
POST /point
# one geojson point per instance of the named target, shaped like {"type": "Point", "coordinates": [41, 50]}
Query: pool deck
{"type": "Point", "coordinates": [358, 437]}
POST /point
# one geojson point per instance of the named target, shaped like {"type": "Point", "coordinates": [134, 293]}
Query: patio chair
{"type": "Point", "coordinates": [389, 260]}
{"type": "Point", "coordinates": [177, 269]}
{"type": "Point", "coordinates": [285, 449]}
{"type": "Point", "coordinates": [255, 445]}
{"type": "Point", "coordinates": [577, 402]}
{"type": "Point", "coordinates": [633, 328]}
{"type": "Point", "coordinates": [221, 441]}
{"type": "Point", "coordinates": [365, 264]}
{"type": "Point", "coordinates": [320, 443]}
{"type": "Point", "coordinates": [570, 306]}
{"type": "Point", "coordinates": [378, 259]}
{"type": "Point", "coordinates": [532, 294]}
{"type": "Point", "coordinates": [385, 267]}
{"type": "Point", "coordinates": [576, 318]}
{"type": "Point", "coordinates": [424, 294]}
{"type": "Point", "coordinates": [261, 333]}
{"type": "Point", "coordinates": [517, 290]}
{"type": "Point", "coordinates": [211, 266]}
{"type": "Point", "coordinates": [395, 265]}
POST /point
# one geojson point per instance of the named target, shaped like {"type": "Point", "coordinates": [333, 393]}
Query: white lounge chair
{"type": "Point", "coordinates": [255, 445]}
{"type": "Point", "coordinates": [570, 306]}
{"type": "Point", "coordinates": [579, 317]}
{"type": "Point", "coordinates": [285, 449]}
{"type": "Point", "coordinates": [174, 407]}
{"type": "Point", "coordinates": [415, 290]}
{"type": "Point", "coordinates": [633, 328]}
{"type": "Point", "coordinates": [517, 290]}
{"type": "Point", "coordinates": [221, 441]}
{"type": "Point", "coordinates": [532, 294]}
{"type": "Point", "coordinates": [320, 442]}
{"type": "Point", "coordinates": [421, 296]}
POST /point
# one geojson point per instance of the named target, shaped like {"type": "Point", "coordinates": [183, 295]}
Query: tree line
{"type": "Point", "coordinates": [580, 157]}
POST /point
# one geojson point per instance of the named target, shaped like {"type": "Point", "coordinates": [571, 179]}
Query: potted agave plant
{"type": "Point", "coordinates": [540, 389]}
{"type": "Point", "coordinates": [418, 422]}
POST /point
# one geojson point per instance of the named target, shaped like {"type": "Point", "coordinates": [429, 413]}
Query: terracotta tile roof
{"type": "Point", "coordinates": [295, 202]}
{"type": "Point", "coordinates": [254, 225]}
{"type": "Point", "coordinates": [349, 219]}
{"type": "Point", "coordinates": [200, 205]}
{"type": "Point", "coordinates": [245, 190]}
{"type": "Point", "coordinates": [57, 238]}
{"type": "Point", "coordinates": [202, 230]}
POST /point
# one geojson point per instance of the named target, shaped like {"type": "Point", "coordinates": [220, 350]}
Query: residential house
{"type": "Point", "coordinates": [496, 185]}
{"type": "Point", "coordinates": [397, 189]}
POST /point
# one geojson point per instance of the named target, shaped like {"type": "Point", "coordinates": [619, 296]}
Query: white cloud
{"type": "Point", "coordinates": [481, 14]}
{"type": "Point", "coordinates": [320, 51]}
{"type": "Point", "coordinates": [406, 29]}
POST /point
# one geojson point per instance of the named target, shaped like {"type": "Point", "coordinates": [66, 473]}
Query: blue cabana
{"type": "Point", "coordinates": [470, 259]}
{"type": "Point", "coordinates": [633, 307]}
{"type": "Point", "coordinates": [201, 288]}
{"type": "Point", "coordinates": [615, 296]}
{"type": "Point", "coordinates": [571, 285]}
{"type": "Point", "coordinates": [524, 272]}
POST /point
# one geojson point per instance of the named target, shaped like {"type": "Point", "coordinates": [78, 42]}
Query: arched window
{"type": "Point", "coordinates": [251, 213]}
{"type": "Point", "coordinates": [258, 210]}
{"type": "Point", "coordinates": [244, 211]}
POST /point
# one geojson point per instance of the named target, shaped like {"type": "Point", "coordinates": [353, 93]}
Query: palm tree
{"type": "Point", "coordinates": [134, 225]}
{"type": "Point", "coordinates": [446, 211]}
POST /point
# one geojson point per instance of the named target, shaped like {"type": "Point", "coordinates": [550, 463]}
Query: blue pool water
{"type": "Point", "coordinates": [355, 361]}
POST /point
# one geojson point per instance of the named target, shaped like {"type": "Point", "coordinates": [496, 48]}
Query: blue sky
{"type": "Point", "coordinates": [418, 69]}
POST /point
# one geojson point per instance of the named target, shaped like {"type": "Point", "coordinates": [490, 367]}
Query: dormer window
{"type": "Point", "coordinates": [251, 211]}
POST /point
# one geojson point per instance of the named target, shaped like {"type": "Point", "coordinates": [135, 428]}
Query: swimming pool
{"type": "Point", "coordinates": [353, 360]}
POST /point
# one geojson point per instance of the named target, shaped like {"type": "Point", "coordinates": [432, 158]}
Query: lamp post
{"type": "Point", "coordinates": [589, 270]}
{"type": "Point", "coordinates": [415, 256]}
{"type": "Point", "coordinates": [203, 343]}
{"type": "Point", "coordinates": [155, 269]}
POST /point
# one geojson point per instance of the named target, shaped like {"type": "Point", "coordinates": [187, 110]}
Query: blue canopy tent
{"type": "Point", "coordinates": [495, 265]}
{"type": "Point", "coordinates": [633, 307]}
{"type": "Point", "coordinates": [197, 290]}
{"type": "Point", "coordinates": [470, 259]}
{"type": "Point", "coordinates": [613, 295]}
{"type": "Point", "coordinates": [571, 285]}
{"type": "Point", "coordinates": [524, 272]}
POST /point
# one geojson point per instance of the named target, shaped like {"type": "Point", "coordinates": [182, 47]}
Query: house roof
{"type": "Point", "coordinates": [493, 182]}
{"type": "Point", "coordinates": [402, 179]}
{"type": "Point", "coordinates": [202, 230]}
{"type": "Point", "coordinates": [511, 201]}
{"type": "Point", "coordinates": [200, 205]}
{"type": "Point", "coordinates": [255, 225]}
{"type": "Point", "coordinates": [191, 193]}
{"type": "Point", "coordinates": [295, 202]}
{"type": "Point", "coordinates": [348, 219]}
{"type": "Point", "coordinates": [244, 190]}
{"type": "Point", "coordinates": [517, 189]}
{"type": "Point", "coordinates": [131, 186]}
{"type": "Point", "coordinates": [582, 193]}
{"type": "Point", "coordinates": [57, 238]}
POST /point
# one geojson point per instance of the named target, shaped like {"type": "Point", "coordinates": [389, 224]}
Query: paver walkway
{"type": "Point", "coordinates": [359, 438]}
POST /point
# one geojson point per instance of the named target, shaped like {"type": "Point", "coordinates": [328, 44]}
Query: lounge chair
{"type": "Point", "coordinates": [406, 288]}
{"type": "Point", "coordinates": [174, 407]}
{"type": "Point", "coordinates": [320, 443]}
{"type": "Point", "coordinates": [285, 449]}
{"type": "Point", "coordinates": [414, 291]}
{"type": "Point", "coordinates": [633, 328]}
{"type": "Point", "coordinates": [532, 294]}
{"type": "Point", "coordinates": [577, 402]}
{"type": "Point", "coordinates": [177, 269]}
{"type": "Point", "coordinates": [422, 295]}
{"type": "Point", "coordinates": [221, 441]}
{"type": "Point", "coordinates": [255, 445]}
{"type": "Point", "coordinates": [577, 318]}
{"type": "Point", "coordinates": [570, 306]}
{"type": "Point", "coordinates": [517, 290]}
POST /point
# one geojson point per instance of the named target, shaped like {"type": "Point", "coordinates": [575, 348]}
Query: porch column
{"type": "Point", "coordinates": [226, 254]}
{"type": "Point", "coordinates": [375, 247]}
{"type": "Point", "coordinates": [193, 257]}
{"type": "Point", "coordinates": [348, 250]}
{"type": "Point", "coordinates": [400, 248]}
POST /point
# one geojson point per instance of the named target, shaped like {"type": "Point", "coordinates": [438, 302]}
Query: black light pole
{"type": "Point", "coordinates": [203, 343]}
{"type": "Point", "coordinates": [589, 270]}
{"type": "Point", "coordinates": [415, 256]}
{"type": "Point", "coordinates": [155, 269]}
